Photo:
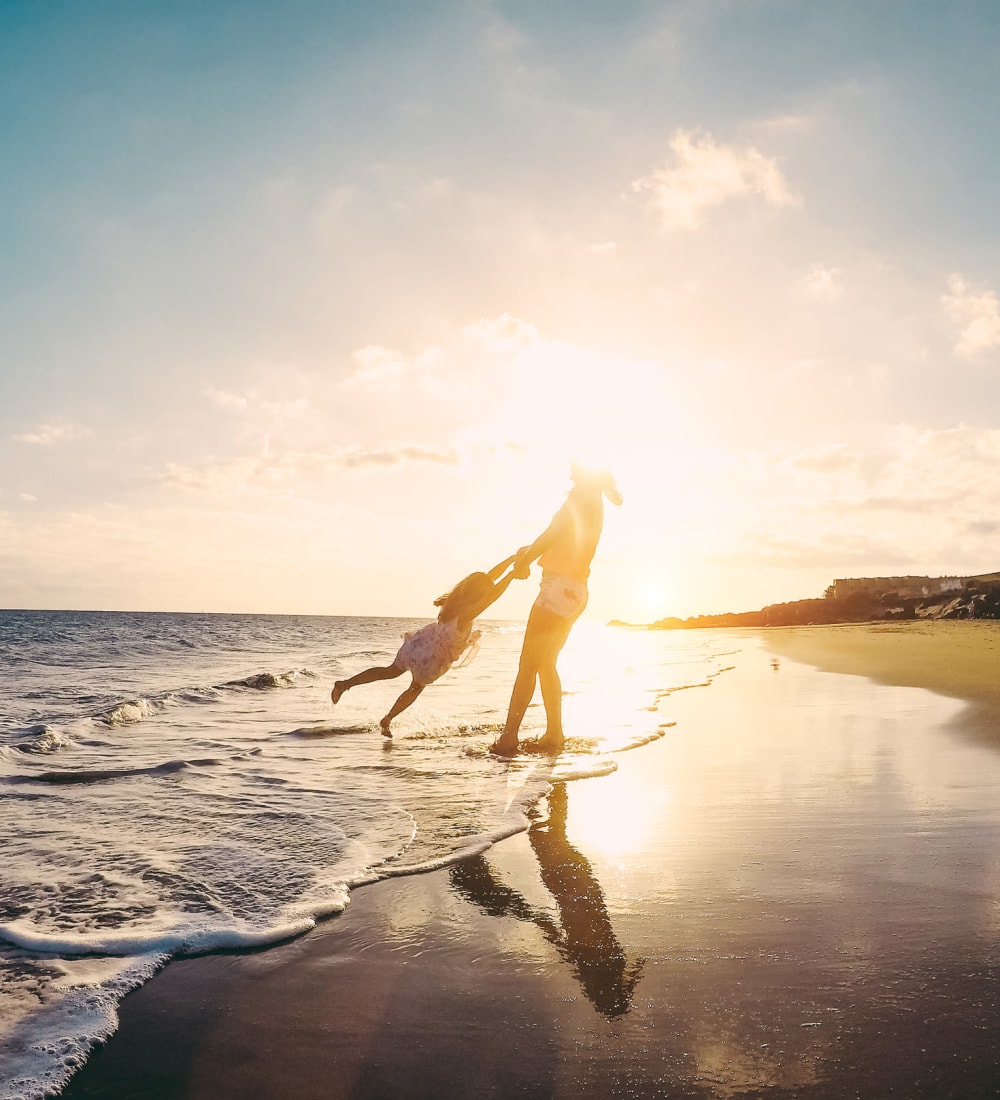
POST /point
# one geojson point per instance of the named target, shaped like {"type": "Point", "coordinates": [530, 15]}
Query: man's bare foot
{"type": "Point", "coordinates": [504, 746]}
{"type": "Point", "coordinates": [384, 727]}
{"type": "Point", "coordinates": [338, 690]}
{"type": "Point", "coordinates": [550, 744]}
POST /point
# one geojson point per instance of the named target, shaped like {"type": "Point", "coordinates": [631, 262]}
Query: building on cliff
{"type": "Point", "coordinates": [903, 587]}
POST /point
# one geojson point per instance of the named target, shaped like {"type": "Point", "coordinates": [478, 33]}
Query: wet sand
{"type": "Point", "coordinates": [958, 659]}
{"type": "Point", "coordinates": [793, 893]}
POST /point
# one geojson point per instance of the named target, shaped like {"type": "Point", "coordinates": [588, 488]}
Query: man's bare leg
{"type": "Point", "coordinates": [520, 697]}
{"type": "Point", "coordinates": [552, 740]}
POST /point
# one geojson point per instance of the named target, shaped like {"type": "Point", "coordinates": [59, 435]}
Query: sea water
{"type": "Point", "coordinates": [175, 784]}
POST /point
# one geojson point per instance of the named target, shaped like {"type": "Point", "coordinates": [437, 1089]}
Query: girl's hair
{"type": "Point", "coordinates": [469, 589]}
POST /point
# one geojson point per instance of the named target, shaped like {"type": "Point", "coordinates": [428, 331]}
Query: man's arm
{"type": "Point", "coordinates": [527, 554]}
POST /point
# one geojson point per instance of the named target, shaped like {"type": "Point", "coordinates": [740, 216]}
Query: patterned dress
{"type": "Point", "coordinates": [429, 652]}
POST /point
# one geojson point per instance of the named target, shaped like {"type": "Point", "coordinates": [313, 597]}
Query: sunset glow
{"type": "Point", "coordinates": [313, 317]}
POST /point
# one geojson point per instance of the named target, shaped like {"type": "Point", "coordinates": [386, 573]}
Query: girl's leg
{"type": "Point", "coordinates": [369, 676]}
{"type": "Point", "coordinates": [407, 697]}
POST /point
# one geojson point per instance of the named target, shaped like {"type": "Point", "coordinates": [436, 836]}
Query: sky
{"type": "Point", "coordinates": [307, 307]}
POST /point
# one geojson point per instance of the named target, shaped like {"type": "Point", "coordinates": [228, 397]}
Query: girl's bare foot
{"type": "Point", "coordinates": [504, 746]}
{"type": "Point", "coordinates": [338, 690]}
{"type": "Point", "coordinates": [384, 726]}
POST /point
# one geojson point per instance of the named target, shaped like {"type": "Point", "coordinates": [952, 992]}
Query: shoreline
{"type": "Point", "coordinates": [958, 659]}
{"type": "Point", "coordinates": [738, 910]}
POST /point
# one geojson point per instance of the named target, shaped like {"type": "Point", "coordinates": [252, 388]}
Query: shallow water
{"type": "Point", "coordinates": [175, 784]}
{"type": "Point", "coordinates": [792, 893]}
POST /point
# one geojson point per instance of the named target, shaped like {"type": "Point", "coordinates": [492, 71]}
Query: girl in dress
{"type": "Point", "coordinates": [428, 653]}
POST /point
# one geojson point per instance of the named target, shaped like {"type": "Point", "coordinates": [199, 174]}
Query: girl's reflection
{"type": "Point", "coordinates": [583, 933]}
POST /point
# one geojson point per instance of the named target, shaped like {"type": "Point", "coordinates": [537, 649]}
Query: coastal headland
{"type": "Point", "coordinates": [863, 599]}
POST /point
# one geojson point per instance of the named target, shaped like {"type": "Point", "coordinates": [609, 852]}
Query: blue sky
{"type": "Point", "coordinates": [307, 307]}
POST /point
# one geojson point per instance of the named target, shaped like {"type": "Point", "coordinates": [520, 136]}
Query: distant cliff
{"type": "Point", "coordinates": [973, 598]}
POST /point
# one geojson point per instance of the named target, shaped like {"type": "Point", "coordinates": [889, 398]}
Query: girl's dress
{"type": "Point", "coordinates": [429, 652]}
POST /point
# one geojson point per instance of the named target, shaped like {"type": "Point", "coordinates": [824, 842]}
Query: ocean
{"type": "Point", "coordinates": [177, 784]}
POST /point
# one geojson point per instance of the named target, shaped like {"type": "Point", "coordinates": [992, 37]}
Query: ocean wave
{"type": "Point", "coordinates": [101, 775]}
{"type": "Point", "coordinates": [266, 681]}
{"type": "Point", "coordinates": [131, 711]}
{"type": "Point", "coordinates": [41, 1055]}
{"type": "Point", "coordinates": [243, 812]}
{"type": "Point", "coordinates": [44, 740]}
{"type": "Point", "coordinates": [323, 730]}
{"type": "Point", "coordinates": [190, 939]}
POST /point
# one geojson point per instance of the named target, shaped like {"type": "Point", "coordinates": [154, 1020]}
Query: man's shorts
{"type": "Point", "coordinates": [562, 596]}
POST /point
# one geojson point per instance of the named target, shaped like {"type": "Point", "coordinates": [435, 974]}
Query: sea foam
{"type": "Point", "coordinates": [176, 785]}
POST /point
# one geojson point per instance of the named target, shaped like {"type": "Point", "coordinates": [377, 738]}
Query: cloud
{"type": "Point", "coordinates": [706, 174]}
{"type": "Point", "coordinates": [281, 472]}
{"type": "Point", "coordinates": [822, 282]}
{"type": "Point", "coordinates": [378, 367]}
{"type": "Point", "coordinates": [382, 368]}
{"type": "Point", "coordinates": [836, 553]}
{"type": "Point", "coordinates": [251, 401]}
{"type": "Point", "coordinates": [824, 459]}
{"type": "Point", "coordinates": [502, 335]}
{"type": "Point", "coordinates": [976, 315]}
{"type": "Point", "coordinates": [45, 435]}
{"type": "Point", "coordinates": [928, 499]}
{"type": "Point", "coordinates": [790, 123]}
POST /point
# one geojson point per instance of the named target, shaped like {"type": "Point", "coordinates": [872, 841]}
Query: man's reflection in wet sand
{"type": "Point", "coordinates": [583, 933]}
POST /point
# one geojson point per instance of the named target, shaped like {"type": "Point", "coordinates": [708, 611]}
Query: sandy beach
{"type": "Point", "coordinates": [792, 893]}
{"type": "Point", "coordinates": [959, 659]}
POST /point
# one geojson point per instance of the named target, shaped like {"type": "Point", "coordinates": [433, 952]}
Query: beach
{"type": "Point", "coordinates": [793, 892]}
{"type": "Point", "coordinates": [959, 659]}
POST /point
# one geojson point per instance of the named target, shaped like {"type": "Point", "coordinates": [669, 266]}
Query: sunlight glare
{"type": "Point", "coordinates": [616, 818]}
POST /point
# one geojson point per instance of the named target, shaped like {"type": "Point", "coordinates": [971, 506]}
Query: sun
{"type": "Point", "coordinates": [650, 600]}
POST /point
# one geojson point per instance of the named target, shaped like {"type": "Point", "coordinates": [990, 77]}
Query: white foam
{"type": "Point", "coordinates": [583, 767]}
{"type": "Point", "coordinates": [186, 939]}
{"type": "Point", "coordinates": [38, 1058]}
{"type": "Point", "coordinates": [106, 878]}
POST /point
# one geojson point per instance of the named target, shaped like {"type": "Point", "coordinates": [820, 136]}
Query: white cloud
{"type": "Point", "coordinates": [328, 215]}
{"type": "Point", "coordinates": [929, 500]}
{"type": "Point", "coordinates": [227, 400]}
{"type": "Point", "coordinates": [822, 282]}
{"type": "Point", "coordinates": [378, 367]}
{"type": "Point", "coordinates": [43, 435]}
{"type": "Point", "coordinates": [27, 497]}
{"type": "Point", "coordinates": [382, 368]}
{"type": "Point", "coordinates": [251, 401]}
{"type": "Point", "coordinates": [976, 314]}
{"type": "Point", "coordinates": [503, 334]}
{"type": "Point", "coordinates": [501, 36]}
{"type": "Point", "coordinates": [706, 174]}
{"type": "Point", "coordinates": [282, 472]}
{"type": "Point", "coordinates": [790, 123]}
{"type": "Point", "coordinates": [824, 459]}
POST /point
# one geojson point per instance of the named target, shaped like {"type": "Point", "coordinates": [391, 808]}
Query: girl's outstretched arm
{"type": "Point", "coordinates": [499, 588]}
{"type": "Point", "coordinates": [498, 569]}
